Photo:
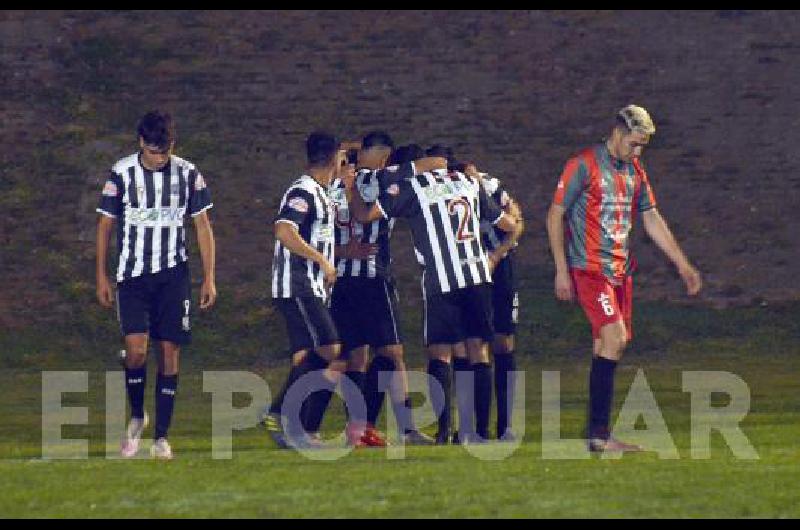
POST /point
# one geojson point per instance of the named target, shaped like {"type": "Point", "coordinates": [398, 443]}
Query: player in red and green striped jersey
{"type": "Point", "coordinates": [600, 191]}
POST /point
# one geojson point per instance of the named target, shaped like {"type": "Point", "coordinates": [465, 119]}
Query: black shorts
{"type": "Point", "coordinates": [308, 322]}
{"type": "Point", "coordinates": [458, 315]}
{"type": "Point", "coordinates": [505, 298]}
{"type": "Point", "coordinates": [365, 313]}
{"type": "Point", "coordinates": [158, 304]}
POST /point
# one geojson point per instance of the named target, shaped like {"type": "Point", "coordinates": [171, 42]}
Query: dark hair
{"type": "Point", "coordinates": [157, 128]}
{"type": "Point", "coordinates": [442, 151]}
{"type": "Point", "coordinates": [622, 124]}
{"type": "Point", "coordinates": [321, 149]}
{"type": "Point", "coordinates": [377, 139]}
{"type": "Point", "coordinates": [406, 153]}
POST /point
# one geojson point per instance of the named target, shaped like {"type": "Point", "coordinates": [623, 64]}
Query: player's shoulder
{"type": "Point", "coordinates": [585, 155]}
{"type": "Point", "coordinates": [124, 164]}
{"type": "Point", "coordinates": [182, 163]}
{"type": "Point", "coordinates": [304, 184]}
{"type": "Point", "coordinates": [490, 184]}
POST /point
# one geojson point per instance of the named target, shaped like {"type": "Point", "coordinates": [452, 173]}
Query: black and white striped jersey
{"type": "Point", "coordinates": [150, 208]}
{"type": "Point", "coordinates": [491, 235]}
{"type": "Point", "coordinates": [305, 205]}
{"type": "Point", "coordinates": [377, 232]}
{"type": "Point", "coordinates": [444, 210]}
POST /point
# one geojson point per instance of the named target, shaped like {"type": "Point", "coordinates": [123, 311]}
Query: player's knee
{"type": "Point", "coordinates": [393, 352]}
{"type": "Point", "coordinates": [503, 344]}
{"type": "Point", "coordinates": [330, 351]}
{"type": "Point", "coordinates": [357, 360]}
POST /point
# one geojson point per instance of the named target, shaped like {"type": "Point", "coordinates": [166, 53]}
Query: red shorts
{"type": "Point", "coordinates": [603, 300]}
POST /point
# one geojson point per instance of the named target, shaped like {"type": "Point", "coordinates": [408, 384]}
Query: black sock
{"type": "Point", "coordinates": [375, 397]}
{"type": "Point", "coordinates": [135, 381]}
{"type": "Point", "coordinates": [465, 396]}
{"type": "Point", "coordinates": [483, 398]}
{"type": "Point", "coordinates": [166, 385]}
{"type": "Point", "coordinates": [504, 365]}
{"type": "Point", "coordinates": [440, 372]}
{"type": "Point", "coordinates": [315, 405]}
{"type": "Point", "coordinates": [601, 395]}
{"type": "Point", "coordinates": [354, 397]}
{"type": "Point", "coordinates": [310, 363]}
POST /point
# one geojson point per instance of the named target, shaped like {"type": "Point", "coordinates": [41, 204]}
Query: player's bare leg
{"type": "Point", "coordinates": [135, 383]}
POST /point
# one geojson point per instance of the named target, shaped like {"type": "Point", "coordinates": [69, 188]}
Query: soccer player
{"type": "Point", "coordinates": [444, 210]}
{"type": "Point", "coordinates": [364, 304]}
{"type": "Point", "coordinates": [505, 298]}
{"type": "Point", "coordinates": [599, 191]}
{"type": "Point", "coordinates": [302, 275]}
{"type": "Point", "coordinates": [149, 194]}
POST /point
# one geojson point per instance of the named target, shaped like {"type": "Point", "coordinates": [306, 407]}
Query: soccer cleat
{"type": "Point", "coordinates": [160, 450]}
{"type": "Point", "coordinates": [414, 437]}
{"type": "Point", "coordinates": [373, 438]}
{"type": "Point", "coordinates": [306, 441]}
{"type": "Point", "coordinates": [456, 440]}
{"type": "Point", "coordinates": [133, 435]}
{"type": "Point", "coordinates": [612, 445]}
{"type": "Point", "coordinates": [508, 437]}
{"type": "Point", "coordinates": [274, 425]}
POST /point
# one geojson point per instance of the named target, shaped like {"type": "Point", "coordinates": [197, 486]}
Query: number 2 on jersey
{"type": "Point", "coordinates": [463, 209]}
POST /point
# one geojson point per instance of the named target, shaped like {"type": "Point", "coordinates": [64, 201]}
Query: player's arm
{"type": "Point", "coordinates": [109, 208]}
{"type": "Point", "coordinates": [555, 233]}
{"type": "Point", "coordinates": [659, 232]}
{"type": "Point", "coordinates": [105, 293]}
{"type": "Point", "coordinates": [205, 241]}
{"type": "Point", "coordinates": [366, 213]}
{"type": "Point", "coordinates": [287, 233]}
{"type": "Point", "coordinates": [511, 238]}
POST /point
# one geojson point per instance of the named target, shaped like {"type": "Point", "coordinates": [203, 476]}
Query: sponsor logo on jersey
{"type": "Point", "coordinates": [298, 204]}
{"type": "Point", "coordinates": [110, 189]}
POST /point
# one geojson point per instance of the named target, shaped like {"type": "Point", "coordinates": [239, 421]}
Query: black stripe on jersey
{"type": "Point", "coordinates": [478, 248]}
{"type": "Point", "coordinates": [182, 188]}
{"type": "Point", "coordinates": [166, 195]}
{"type": "Point", "coordinates": [150, 202]}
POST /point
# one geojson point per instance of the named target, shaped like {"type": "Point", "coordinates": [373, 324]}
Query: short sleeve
{"type": "Point", "coordinates": [111, 196]}
{"type": "Point", "coordinates": [298, 207]}
{"type": "Point", "coordinates": [646, 199]}
{"type": "Point", "coordinates": [199, 195]}
{"type": "Point", "coordinates": [573, 180]}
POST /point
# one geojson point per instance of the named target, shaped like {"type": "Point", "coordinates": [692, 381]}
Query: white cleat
{"type": "Point", "coordinates": [133, 435]}
{"type": "Point", "coordinates": [160, 450]}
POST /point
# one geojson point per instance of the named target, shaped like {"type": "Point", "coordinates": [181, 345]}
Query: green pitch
{"type": "Point", "coordinates": [260, 481]}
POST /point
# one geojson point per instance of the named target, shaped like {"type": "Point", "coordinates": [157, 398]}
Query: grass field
{"type": "Point", "coordinates": [261, 481]}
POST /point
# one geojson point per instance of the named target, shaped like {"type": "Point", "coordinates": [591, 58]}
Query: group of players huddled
{"type": "Point", "coordinates": [332, 282]}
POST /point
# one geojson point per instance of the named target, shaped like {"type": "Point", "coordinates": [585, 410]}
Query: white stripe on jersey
{"type": "Point", "coordinates": [138, 251]}
{"type": "Point", "coordinates": [437, 251]}
{"type": "Point", "coordinates": [317, 280]}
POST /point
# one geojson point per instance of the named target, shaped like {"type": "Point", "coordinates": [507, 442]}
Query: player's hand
{"type": "Point", "coordinates": [471, 170]}
{"type": "Point", "coordinates": [208, 294]}
{"type": "Point", "coordinates": [563, 286]}
{"type": "Point", "coordinates": [494, 259]}
{"type": "Point", "coordinates": [359, 250]}
{"type": "Point", "coordinates": [105, 293]}
{"type": "Point", "coordinates": [347, 174]}
{"type": "Point", "coordinates": [330, 273]}
{"type": "Point", "coordinates": [691, 277]}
